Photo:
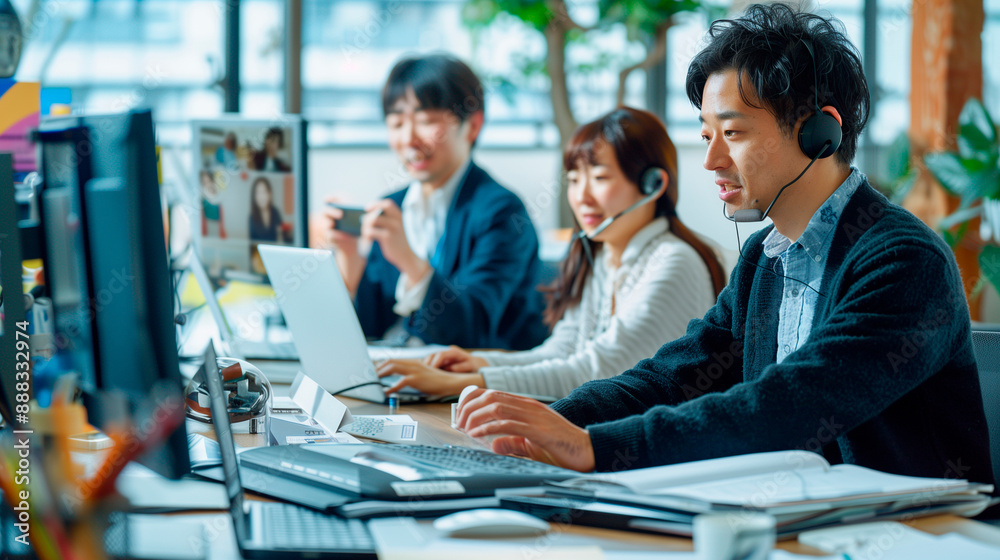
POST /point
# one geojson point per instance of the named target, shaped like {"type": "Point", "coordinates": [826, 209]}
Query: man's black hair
{"type": "Point", "coordinates": [766, 48]}
{"type": "Point", "coordinates": [439, 81]}
{"type": "Point", "coordinates": [277, 132]}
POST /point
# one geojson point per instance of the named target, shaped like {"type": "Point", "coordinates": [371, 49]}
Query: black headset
{"type": "Point", "coordinates": [821, 129]}
{"type": "Point", "coordinates": [650, 186]}
{"type": "Point", "coordinates": [819, 137]}
{"type": "Point", "coordinates": [652, 181]}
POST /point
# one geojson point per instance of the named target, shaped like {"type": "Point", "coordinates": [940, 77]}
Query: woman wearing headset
{"type": "Point", "coordinates": [623, 290]}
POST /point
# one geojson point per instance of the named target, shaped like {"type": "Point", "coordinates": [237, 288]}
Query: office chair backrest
{"type": "Point", "coordinates": [986, 346]}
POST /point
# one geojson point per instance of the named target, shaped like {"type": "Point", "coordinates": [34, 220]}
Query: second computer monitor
{"type": "Point", "coordinates": [251, 180]}
{"type": "Point", "coordinates": [109, 279]}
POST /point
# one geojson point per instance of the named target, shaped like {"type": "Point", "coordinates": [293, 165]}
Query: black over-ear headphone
{"type": "Point", "coordinates": [821, 129]}
{"type": "Point", "coordinates": [652, 181]}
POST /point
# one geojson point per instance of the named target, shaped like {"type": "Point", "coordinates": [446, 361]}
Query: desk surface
{"type": "Point", "coordinates": [435, 429]}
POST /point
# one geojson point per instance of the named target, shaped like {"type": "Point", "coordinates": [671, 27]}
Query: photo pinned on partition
{"type": "Point", "coordinates": [249, 187]}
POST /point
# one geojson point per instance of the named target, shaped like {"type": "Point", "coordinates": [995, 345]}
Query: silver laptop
{"type": "Point", "coordinates": [324, 324]}
{"type": "Point", "coordinates": [233, 345]}
{"type": "Point", "coordinates": [275, 530]}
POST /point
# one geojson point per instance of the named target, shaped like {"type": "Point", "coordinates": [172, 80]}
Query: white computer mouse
{"type": "Point", "coordinates": [479, 523]}
{"type": "Point", "coordinates": [465, 393]}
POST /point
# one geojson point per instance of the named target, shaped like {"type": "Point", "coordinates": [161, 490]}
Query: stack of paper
{"type": "Point", "coordinates": [393, 428]}
{"type": "Point", "coordinates": [801, 489]}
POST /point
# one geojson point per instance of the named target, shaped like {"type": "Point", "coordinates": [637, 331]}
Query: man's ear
{"type": "Point", "coordinates": [475, 122]}
{"type": "Point", "coordinates": [832, 111]}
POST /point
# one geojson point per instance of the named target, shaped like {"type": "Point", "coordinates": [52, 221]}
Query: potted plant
{"type": "Point", "coordinates": [646, 23]}
{"type": "Point", "coordinates": [972, 173]}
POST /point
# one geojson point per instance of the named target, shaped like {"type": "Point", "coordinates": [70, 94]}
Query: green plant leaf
{"type": "Point", "coordinates": [953, 239]}
{"type": "Point", "coordinates": [977, 136]}
{"type": "Point", "coordinates": [641, 16]}
{"type": "Point", "coordinates": [898, 157]}
{"type": "Point", "coordinates": [947, 168]}
{"type": "Point", "coordinates": [902, 188]}
{"type": "Point", "coordinates": [479, 14]}
{"type": "Point", "coordinates": [989, 264]}
{"type": "Point", "coordinates": [961, 215]}
{"type": "Point", "coordinates": [986, 183]}
{"type": "Point", "coordinates": [966, 178]}
{"type": "Point", "coordinates": [536, 14]}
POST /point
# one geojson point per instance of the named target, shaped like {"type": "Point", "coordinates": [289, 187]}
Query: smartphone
{"type": "Point", "coordinates": [351, 222]}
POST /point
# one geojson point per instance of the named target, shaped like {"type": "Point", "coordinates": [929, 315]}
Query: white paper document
{"type": "Point", "coordinates": [393, 428]}
{"type": "Point", "coordinates": [321, 406]}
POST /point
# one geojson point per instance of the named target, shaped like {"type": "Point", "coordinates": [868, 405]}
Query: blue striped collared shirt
{"type": "Point", "coordinates": [805, 260]}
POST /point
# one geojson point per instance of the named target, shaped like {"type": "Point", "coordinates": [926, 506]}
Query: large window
{"type": "Point", "coordinates": [119, 54]}
{"type": "Point", "coordinates": [116, 54]}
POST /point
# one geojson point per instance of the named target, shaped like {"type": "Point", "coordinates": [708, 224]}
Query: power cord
{"type": "Point", "coordinates": [358, 386]}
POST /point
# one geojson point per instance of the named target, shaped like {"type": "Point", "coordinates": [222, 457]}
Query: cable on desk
{"type": "Point", "coordinates": [358, 386]}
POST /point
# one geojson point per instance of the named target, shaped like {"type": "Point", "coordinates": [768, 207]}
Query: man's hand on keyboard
{"type": "Point", "coordinates": [527, 428]}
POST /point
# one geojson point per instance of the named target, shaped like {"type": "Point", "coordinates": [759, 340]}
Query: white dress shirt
{"type": "Point", "coordinates": [424, 219]}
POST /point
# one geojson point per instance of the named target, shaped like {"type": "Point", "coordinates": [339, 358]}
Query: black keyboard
{"type": "Point", "coordinates": [473, 460]}
{"type": "Point", "coordinates": [400, 471]}
{"type": "Point", "coordinates": [290, 527]}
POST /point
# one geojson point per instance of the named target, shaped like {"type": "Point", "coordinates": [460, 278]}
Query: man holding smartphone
{"type": "Point", "coordinates": [454, 256]}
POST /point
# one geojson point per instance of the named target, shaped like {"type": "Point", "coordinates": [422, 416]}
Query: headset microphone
{"type": "Point", "coordinates": [755, 215]}
{"type": "Point", "coordinates": [819, 137]}
{"type": "Point", "coordinates": [651, 185]}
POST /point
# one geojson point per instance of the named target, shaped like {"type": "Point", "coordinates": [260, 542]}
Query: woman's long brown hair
{"type": "Point", "coordinates": [640, 142]}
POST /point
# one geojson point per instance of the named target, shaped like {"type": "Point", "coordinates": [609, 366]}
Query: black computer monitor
{"type": "Point", "coordinates": [10, 280]}
{"type": "Point", "coordinates": [108, 274]}
{"type": "Point", "coordinates": [65, 237]}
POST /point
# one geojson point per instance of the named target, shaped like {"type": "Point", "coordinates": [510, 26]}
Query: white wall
{"type": "Point", "coordinates": [358, 175]}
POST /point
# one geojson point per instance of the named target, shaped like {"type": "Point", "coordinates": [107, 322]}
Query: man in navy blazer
{"type": "Point", "coordinates": [454, 256]}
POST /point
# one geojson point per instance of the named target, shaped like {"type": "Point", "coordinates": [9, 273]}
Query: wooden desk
{"type": "Point", "coordinates": [435, 429]}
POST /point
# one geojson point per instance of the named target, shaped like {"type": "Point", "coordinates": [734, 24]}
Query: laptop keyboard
{"type": "Point", "coordinates": [290, 527]}
{"type": "Point", "coordinates": [473, 460]}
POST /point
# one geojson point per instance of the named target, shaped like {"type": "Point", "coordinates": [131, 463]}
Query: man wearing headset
{"type": "Point", "coordinates": [844, 328]}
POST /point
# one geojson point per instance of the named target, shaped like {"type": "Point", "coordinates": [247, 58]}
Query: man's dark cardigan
{"type": "Point", "coordinates": [886, 379]}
